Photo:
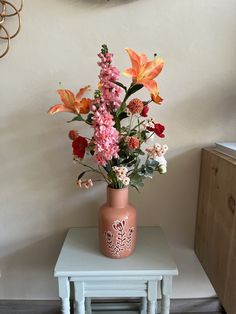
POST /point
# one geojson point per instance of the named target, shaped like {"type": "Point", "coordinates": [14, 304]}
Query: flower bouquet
{"type": "Point", "coordinates": [121, 133]}
{"type": "Point", "coordinates": [120, 126]}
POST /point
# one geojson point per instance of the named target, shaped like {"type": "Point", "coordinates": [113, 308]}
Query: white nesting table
{"type": "Point", "coordinates": [95, 275]}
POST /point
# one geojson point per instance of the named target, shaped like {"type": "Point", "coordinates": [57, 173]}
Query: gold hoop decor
{"type": "Point", "coordinates": [5, 35]}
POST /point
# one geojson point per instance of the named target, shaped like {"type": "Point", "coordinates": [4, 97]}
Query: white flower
{"type": "Point", "coordinates": [161, 159]}
{"type": "Point", "coordinates": [162, 169]}
{"type": "Point", "coordinates": [124, 169]}
{"type": "Point", "coordinates": [164, 149]}
{"type": "Point", "coordinates": [127, 111]}
{"type": "Point", "coordinates": [157, 146]}
{"type": "Point", "coordinates": [126, 181]}
{"type": "Point", "coordinates": [150, 123]}
{"type": "Point", "coordinates": [120, 172]}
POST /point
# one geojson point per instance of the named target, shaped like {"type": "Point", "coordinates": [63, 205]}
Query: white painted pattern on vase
{"type": "Point", "coordinates": [119, 240]}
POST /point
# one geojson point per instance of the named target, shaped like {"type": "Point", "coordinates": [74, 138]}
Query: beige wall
{"type": "Point", "coordinates": [59, 42]}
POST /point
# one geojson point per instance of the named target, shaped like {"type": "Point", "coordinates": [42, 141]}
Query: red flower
{"type": "Point", "coordinates": [144, 111]}
{"type": "Point", "coordinates": [73, 134]}
{"type": "Point", "coordinates": [79, 145]}
{"type": "Point", "coordinates": [158, 129]}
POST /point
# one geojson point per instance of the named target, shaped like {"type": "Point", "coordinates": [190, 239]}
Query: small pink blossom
{"type": "Point", "coordinates": [157, 150]}
{"type": "Point", "coordinates": [157, 153]}
{"type": "Point", "coordinates": [120, 172]}
{"type": "Point", "coordinates": [85, 183]}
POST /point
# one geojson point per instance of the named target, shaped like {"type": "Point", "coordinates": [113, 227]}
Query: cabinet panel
{"type": "Point", "coordinates": [230, 291]}
{"type": "Point", "coordinates": [205, 213]}
{"type": "Point", "coordinates": [215, 226]}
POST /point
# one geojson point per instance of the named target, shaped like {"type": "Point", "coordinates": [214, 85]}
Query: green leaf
{"type": "Point", "coordinates": [145, 171]}
{"type": "Point", "coordinates": [121, 109]}
{"type": "Point", "coordinates": [121, 85]}
{"type": "Point", "coordinates": [132, 162]}
{"type": "Point", "coordinates": [149, 170]}
{"type": "Point", "coordinates": [117, 123]}
{"type": "Point", "coordinates": [133, 90]}
{"type": "Point", "coordinates": [77, 118]}
{"type": "Point", "coordinates": [142, 173]}
{"type": "Point", "coordinates": [139, 152]}
{"type": "Point", "coordinates": [133, 132]}
{"type": "Point", "coordinates": [81, 175]}
{"type": "Point", "coordinates": [129, 161]}
{"type": "Point", "coordinates": [89, 118]}
{"type": "Point", "coordinates": [90, 149]}
{"type": "Point", "coordinates": [153, 163]}
{"type": "Point", "coordinates": [124, 153]}
{"type": "Point", "coordinates": [136, 180]}
{"type": "Point", "coordinates": [136, 187]}
{"type": "Point", "coordinates": [123, 115]}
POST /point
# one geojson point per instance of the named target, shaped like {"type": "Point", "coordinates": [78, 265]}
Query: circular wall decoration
{"type": "Point", "coordinates": [7, 12]}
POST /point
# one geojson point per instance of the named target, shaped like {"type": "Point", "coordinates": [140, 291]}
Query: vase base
{"type": "Point", "coordinates": [120, 256]}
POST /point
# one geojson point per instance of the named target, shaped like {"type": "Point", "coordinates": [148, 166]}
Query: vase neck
{"type": "Point", "coordinates": [117, 198]}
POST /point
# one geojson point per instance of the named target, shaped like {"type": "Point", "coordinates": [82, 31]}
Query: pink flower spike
{"type": "Point", "coordinates": [109, 74]}
{"type": "Point", "coordinates": [105, 136]}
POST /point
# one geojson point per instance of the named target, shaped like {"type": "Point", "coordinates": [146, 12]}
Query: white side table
{"type": "Point", "coordinates": [95, 275]}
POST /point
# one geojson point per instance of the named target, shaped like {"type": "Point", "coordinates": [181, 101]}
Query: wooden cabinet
{"type": "Point", "coordinates": [215, 237]}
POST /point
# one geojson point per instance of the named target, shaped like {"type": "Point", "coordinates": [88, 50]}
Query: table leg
{"type": "Point", "coordinates": [166, 289]}
{"type": "Point", "coordinates": [64, 294]}
{"type": "Point", "coordinates": [152, 296]}
{"type": "Point", "coordinates": [143, 305]}
{"type": "Point", "coordinates": [79, 297]}
{"type": "Point", "coordinates": [88, 305]}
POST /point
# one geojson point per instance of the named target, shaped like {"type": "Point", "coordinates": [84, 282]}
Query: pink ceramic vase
{"type": "Point", "coordinates": [117, 225]}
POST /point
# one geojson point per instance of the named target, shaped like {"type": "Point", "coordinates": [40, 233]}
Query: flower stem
{"type": "Point", "coordinates": [127, 92]}
{"type": "Point", "coordinates": [150, 136]}
{"type": "Point", "coordinates": [130, 124]}
{"type": "Point", "coordinates": [95, 170]}
{"type": "Point", "coordinates": [138, 125]}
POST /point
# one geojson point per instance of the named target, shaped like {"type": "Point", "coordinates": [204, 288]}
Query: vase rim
{"type": "Point", "coordinates": [110, 188]}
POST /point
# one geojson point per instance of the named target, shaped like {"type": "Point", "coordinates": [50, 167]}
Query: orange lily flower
{"type": "Point", "coordinates": [156, 98]}
{"type": "Point", "coordinates": [72, 103]}
{"type": "Point", "coordinates": [144, 71]}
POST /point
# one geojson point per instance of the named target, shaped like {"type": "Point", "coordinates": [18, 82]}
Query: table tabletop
{"type": "Point", "coordinates": [80, 255]}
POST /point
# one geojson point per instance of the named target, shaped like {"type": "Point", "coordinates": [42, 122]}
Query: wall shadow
{"type": "Point", "coordinates": [101, 3]}
{"type": "Point", "coordinates": [30, 263]}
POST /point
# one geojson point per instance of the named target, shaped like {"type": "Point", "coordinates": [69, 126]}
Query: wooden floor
{"type": "Point", "coordinates": [178, 306]}
{"type": "Point", "coordinates": [136, 312]}
{"type": "Point", "coordinates": [14, 310]}
{"type": "Point", "coordinates": [33, 311]}
{"type": "Point", "coordinates": [10, 310]}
